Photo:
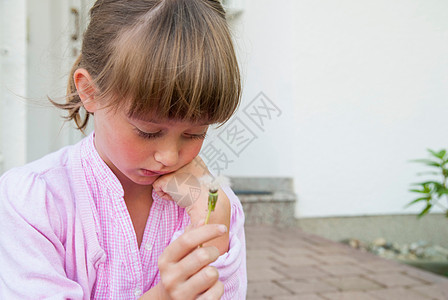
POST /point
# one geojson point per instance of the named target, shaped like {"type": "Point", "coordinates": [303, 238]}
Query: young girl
{"type": "Point", "coordinates": [99, 220]}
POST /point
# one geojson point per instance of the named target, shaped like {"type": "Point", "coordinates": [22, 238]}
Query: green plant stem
{"type": "Point", "coordinates": [445, 178]}
{"type": "Point", "coordinates": [440, 205]}
{"type": "Point", "coordinates": [208, 216]}
{"type": "Point", "coordinates": [212, 199]}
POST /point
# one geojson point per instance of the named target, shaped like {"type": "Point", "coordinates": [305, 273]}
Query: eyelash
{"type": "Point", "coordinates": [198, 136]}
{"type": "Point", "coordinates": [150, 135]}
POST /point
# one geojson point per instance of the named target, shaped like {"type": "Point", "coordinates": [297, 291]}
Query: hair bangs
{"type": "Point", "coordinates": [177, 62]}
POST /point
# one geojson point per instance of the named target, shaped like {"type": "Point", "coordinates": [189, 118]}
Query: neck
{"type": "Point", "coordinates": [134, 191]}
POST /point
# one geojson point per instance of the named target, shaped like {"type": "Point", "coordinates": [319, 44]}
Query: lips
{"type": "Point", "coordinates": [152, 173]}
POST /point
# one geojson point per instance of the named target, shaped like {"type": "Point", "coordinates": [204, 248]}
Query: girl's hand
{"type": "Point", "coordinates": [184, 188]}
{"type": "Point", "coordinates": [184, 268]}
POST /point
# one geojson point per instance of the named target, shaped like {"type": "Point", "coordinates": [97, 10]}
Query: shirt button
{"type": "Point", "coordinates": [138, 292]}
{"type": "Point", "coordinates": [148, 247]}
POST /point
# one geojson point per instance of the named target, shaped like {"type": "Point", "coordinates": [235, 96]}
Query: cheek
{"type": "Point", "coordinates": [191, 151]}
{"type": "Point", "coordinates": [127, 148]}
{"type": "Point", "coordinates": [128, 153]}
{"type": "Point", "coordinates": [196, 148]}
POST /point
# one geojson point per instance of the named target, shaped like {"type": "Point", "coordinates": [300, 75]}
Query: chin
{"type": "Point", "coordinates": [146, 180]}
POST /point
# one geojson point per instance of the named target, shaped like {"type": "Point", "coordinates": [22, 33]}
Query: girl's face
{"type": "Point", "coordinates": [142, 150]}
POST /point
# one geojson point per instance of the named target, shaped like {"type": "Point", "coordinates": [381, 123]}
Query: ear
{"type": "Point", "coordinates": [86, 89]}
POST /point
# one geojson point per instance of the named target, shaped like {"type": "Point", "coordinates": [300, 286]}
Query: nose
{"type": "Point", "coordinates": [167, 154]}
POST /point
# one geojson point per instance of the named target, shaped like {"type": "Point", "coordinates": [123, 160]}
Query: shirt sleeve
{"type": "Point", "coordinates": [232, 264]}
{"type": "Point", "coordinates": [32, 241]}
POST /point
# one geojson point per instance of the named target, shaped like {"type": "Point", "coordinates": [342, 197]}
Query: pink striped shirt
{"type": "Point", "coordinates": [66, 233]}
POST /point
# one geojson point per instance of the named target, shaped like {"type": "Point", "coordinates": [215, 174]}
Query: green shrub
{"type": "Point", "coordinates": [433, 191]}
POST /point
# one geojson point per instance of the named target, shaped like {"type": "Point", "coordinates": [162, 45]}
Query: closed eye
{"type": "Point", "coordinates": [197, 136]}
{"type": "Point", "coordinates": [148, 135]}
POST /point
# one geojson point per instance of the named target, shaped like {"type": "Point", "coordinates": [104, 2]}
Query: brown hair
{"type": "Point", "coordinates": [174, 58]}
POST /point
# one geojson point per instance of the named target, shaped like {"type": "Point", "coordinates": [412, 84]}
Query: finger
{"type": "Point", "coordinates": [160, 183]}
{"type": "Point", "coordinates": [197, 260]}
{"type": "Point", "coordinates": [200, 283]}
{"type": "Point", "coordinates": [214, 292]}
{"type": "Point", "coordinates": [200, 223]}
{"type": "Point", "coordinates": [160, 187]}
{"type": "Point", "coordinates": [165, 196]}
{"type": "Point", "coordinates": [192, 226]}
{"type": "Point", "coordinates": [189, 241]}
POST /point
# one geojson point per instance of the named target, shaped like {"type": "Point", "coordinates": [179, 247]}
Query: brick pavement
{"type": "Point", "coordinates": [286, 264]}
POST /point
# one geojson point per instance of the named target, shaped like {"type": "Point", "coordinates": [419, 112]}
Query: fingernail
{"type": "Point", "coordinates": [210, 272]}
{"type": "Point", "coordinates": [222, 228]}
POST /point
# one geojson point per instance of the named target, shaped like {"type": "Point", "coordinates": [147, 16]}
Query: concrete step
{"type": "Point", "coordinates": [266, 200]}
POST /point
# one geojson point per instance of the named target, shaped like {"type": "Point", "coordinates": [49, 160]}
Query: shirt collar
{"type": "Point", "coordinates": [100, 169]}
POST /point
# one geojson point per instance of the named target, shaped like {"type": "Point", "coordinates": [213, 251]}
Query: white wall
{"type": "Point", "coordinates": [36, 54]}
{"type": "Point", "coordinates": [51, 53]}
{"type": "Point", "coordinates": [363, 86]}
{"type": "Point", "coordinates": [13, 49]}
{"type": "Point", "coordinates": [45, 60]}
{"type": "Point", "coordinates": [265, 51]}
